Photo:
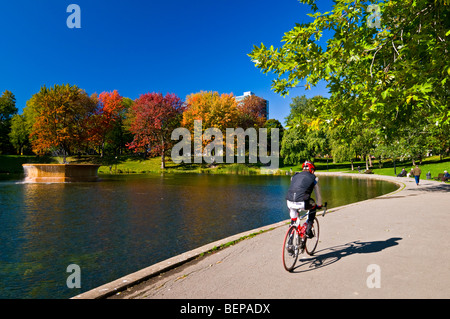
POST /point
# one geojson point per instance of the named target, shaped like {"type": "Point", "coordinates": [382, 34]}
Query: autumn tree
{"type": "Point", "coordinates": [213, 109]}
{"type": "Point", "coordinates": [106, 116]}
{"type": "Point", "coordinates": [252, 112]}
{"type": "Point", "coordinates": [152, 118]}
{"type": "Point", "coordinates": [59, 117]}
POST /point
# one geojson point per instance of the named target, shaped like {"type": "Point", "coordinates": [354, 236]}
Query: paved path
{"type": "Point", "coordinates": [400, 241]}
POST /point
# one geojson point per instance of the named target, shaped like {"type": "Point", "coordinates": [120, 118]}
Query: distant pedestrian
{"type": "Point", "coordinates": [417, 172]}
{"type": "Point", "coordinates": [446, 177]}
{"type": "Point", "coordinates": [402, 173]}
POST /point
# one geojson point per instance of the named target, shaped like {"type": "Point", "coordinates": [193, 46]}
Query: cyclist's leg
{"type": "Point", "coordinates": [311, 243]}
{"type": "Point", "coordinates": [311, 206]}
{"type": "Point", "coordinates": [294, 207]}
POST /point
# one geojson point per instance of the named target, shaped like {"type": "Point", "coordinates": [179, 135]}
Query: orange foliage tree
{"type": "Point", "coordinates": [60, 119]}
{"type": "Point", "coordinates": [212, 109]}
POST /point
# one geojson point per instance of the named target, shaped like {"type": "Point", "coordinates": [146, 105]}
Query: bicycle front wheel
{"type": "Point", "coordinates": [311, 243]}
{"type": "Point", "coordinates": [291, 248]}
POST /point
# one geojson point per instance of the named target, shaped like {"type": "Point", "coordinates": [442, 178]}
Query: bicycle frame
{"type": "Point", "coordinates": [301, 230]}
{"type": "Point", "coordinates": [292, 249]}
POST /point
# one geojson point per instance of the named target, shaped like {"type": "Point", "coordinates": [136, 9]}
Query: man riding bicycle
{"type": "Point", "coordinates": [299, 195]}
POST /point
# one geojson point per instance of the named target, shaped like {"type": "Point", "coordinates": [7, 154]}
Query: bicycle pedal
{"type": "Point", "coordinates": [302, 245]}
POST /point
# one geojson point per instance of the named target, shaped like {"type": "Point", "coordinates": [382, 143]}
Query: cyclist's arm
{"type": "Point", "coordinates": [317, 192]}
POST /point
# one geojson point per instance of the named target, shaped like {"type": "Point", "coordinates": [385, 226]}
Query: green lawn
{"type": "Point", "coordinates": [431, 164]}
{"type": "Point", "coordinates": [153, 165]}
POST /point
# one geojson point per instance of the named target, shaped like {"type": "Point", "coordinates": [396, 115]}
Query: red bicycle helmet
{"type": "Point", "coordinates": [308, 166]}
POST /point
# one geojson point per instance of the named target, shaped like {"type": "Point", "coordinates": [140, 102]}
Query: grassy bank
{"type": "Point", "coordinates": [12, 164]}
{"type": "Point", "coordinates": [153, 165]}
{"type": "Point", "coordinates": [430, 164]}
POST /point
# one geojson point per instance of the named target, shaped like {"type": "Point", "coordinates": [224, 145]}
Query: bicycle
{"type": "Point", "coordinates": [296, 241]}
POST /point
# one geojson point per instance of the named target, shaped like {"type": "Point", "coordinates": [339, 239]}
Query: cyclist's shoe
{"type": "Point", "coordinates": [309, 232]}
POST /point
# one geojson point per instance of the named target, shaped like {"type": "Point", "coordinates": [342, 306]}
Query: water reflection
{"type": "Point", "coordinates": [123, 224]}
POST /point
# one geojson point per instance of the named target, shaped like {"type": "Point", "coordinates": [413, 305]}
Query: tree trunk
{"type": "Point", "coordinates": [163, 161]}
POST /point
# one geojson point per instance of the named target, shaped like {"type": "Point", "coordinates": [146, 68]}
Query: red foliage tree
{"type": "Point", "coordinates": [109, 107]}
{"type": "Point", "coordinates": [153, 117]}
{"type": "Point", "coordinates": [252, 112]}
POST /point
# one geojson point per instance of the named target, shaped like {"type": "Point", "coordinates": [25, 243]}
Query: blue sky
{"type": "Point", "coordinates": [135, 47]}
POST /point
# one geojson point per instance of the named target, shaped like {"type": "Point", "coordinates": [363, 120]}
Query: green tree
{"type": "Point", "coordinates": [306, 131]}
{"type": "Point", "coordinates": [439, 141]}
{"type": "Point", "coordinates": [294, 147]}
{"type": "Point", "coordinates": [271, 124]}
{"type": "Point", "coordinates": [389, 77]}
{"type": "Point", "coordinates": [7, 111]}
{"type": "Point", "coordinates": [19, 133]}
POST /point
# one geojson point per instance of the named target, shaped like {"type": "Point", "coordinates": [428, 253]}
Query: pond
{"type": "Point", "coordinates": [125, 223]}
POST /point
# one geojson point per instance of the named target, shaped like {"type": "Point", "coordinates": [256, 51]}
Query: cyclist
{"type": "Point", "coordinates": [299, 195]}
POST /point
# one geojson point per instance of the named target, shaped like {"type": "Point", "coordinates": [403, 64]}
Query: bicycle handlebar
{"type": "Point", "coordinates": [324, 212]}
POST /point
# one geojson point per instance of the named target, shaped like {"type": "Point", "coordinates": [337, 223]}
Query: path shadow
{"type": "Point", "coordinates": [443, 188]}
{"type": "Point", "coordinates": [328, 256]}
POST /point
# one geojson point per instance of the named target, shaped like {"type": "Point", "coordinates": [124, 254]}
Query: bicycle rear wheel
{"type": "Point", "coordinates": [291, 247]}
{"type": "Point", "coordinates": [311, 243]}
